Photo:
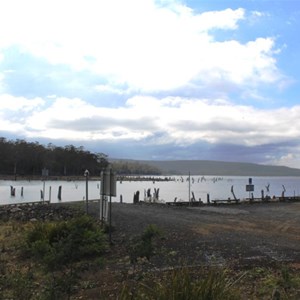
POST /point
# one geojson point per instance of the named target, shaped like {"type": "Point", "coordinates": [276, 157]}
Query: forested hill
{"type": "Point", "coordinates": [25, 158]}
{"type": "Point", "coordinates": [206, 167]}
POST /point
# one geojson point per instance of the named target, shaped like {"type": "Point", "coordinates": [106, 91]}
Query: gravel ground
{"type": "Point", "coordinates": [235, 235]}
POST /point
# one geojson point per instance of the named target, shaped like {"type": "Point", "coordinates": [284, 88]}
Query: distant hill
{"type": "Point", "coordinates": [220, 168]}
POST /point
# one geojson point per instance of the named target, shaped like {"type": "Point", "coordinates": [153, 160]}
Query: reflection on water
{"type": "Point", "coordinates": [178, 187]}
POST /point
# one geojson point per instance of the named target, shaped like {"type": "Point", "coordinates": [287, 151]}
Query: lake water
{"type": "Point", "coordinates": [216, 187]}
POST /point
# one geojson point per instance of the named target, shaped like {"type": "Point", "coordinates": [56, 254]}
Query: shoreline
{"type": "Point", "coordinates": [83, 178]}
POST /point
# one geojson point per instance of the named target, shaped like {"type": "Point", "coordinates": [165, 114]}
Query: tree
{"type": "Point", "coordinates": [24, 158]}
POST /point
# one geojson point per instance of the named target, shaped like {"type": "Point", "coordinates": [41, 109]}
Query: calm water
{"type": "Point", "coordinates": [217, 187]}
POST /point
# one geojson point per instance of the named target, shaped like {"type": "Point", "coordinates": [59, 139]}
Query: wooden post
{"type": "Point", "coordinates": [59, 193]}
{"type": "Point", "coordinates": [49, 194]}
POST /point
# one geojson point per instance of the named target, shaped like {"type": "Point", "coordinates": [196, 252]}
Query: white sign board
{"type": "Point", "coordinates": [108, 184]}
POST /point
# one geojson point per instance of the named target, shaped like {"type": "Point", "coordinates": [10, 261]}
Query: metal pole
{"type": "Point", "coordinates": [86, 194]}
{"type": "Point", "coordinates": [86, 174]}
{"type": "Point", "coordinates": [102, 195]}
{"type": "Point", "coordinates": [110, 193]}
{"type": "Point", "coordinates": [110, 220]}
{"type": "Point", "coordinates": [102, 208]}
{"type": "Point", "coordinates": [99, 202]}
{"type": "Point", "coordinates": [189, 187]}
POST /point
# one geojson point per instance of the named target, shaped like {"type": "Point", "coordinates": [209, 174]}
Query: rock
{"type": "Point", "coordinates": [172, 253]}
{"type": "Point", "coordinates": [15, 209]}
{"type": "Point", "coordinates": [42, 212]}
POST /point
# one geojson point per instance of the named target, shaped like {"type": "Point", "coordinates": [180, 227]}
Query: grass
{"type": "Point", "coordinates": [182, 284]}
{"type": "Point", "coordinates": [143, 246]}
{"type": "Point", "coordinates": [281, 282]}
{"type": "Point", "coordinates": [33, 265]}
{"type": "Point", "coordinates": [44, 260]}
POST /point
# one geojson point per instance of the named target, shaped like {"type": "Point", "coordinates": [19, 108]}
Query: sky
{"type": "Point", "coordinates": [154, 80]}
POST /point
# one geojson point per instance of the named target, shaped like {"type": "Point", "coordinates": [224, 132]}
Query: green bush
{"type": "Point", "coordinates": [181, 285]}
{"type": "Point", "coordinates": [16, 284]}
{"type": "Point", "coordinates": [59, 246]}
{"type": "Point", "coordinates": [143, 246]}
{"type": "Point", "coordinates": [63, 243]}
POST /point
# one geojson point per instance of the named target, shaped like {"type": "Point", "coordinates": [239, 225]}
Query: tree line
{"type": "Point", "coordinates": [19, 157]}
{"type": "Point", "coordinates": [24, 158]}
{"type": "Point", "coordinates": [123, 167]}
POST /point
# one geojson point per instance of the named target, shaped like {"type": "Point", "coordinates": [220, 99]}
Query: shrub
{"type": "Point", "coordinates": [143, 245]}
{"type": "Point", "coordinates": [180, 285]}
{"type": "Point", "coordinates": [59, 246]}
{"type": "Point", "coordinates": [63, 243]}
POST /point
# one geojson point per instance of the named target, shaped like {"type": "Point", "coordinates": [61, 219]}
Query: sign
{"type": "Point", "coordinates": [45, 172]}
{"type": "Point", "coordinates": [249, 187]}
{"type": "Point", "coordinates": [108, 183]}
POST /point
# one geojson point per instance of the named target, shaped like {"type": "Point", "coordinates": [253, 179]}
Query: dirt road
{"type": "Point", "coordinates": [243, 234]}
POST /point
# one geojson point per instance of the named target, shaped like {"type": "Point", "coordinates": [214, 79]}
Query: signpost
{"type": "Point", "coordinates": [108, 188]}
{"type": "Point", "coordinates": [86, 175]}
{"type": "Point", "coordinates": [45, 173]}
{"type": "Point", "coordinates": [250, 187]}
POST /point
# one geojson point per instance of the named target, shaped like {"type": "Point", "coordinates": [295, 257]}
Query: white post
{"type": "Point", "coordinates": [44, 191]}
{"type": "Point", "coordinates": [86, 174]}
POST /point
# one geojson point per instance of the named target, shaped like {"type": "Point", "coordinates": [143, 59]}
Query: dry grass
{"type": "Point", "coordinates": [98, 282]}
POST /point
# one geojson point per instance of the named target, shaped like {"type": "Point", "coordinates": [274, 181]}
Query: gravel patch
{"type": "Point", "coordinates": [221, 210]}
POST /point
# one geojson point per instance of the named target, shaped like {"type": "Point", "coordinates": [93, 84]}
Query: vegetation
{"type": "Point", "coordinates": [220, 168]}
{"type": "Point", "coordinates": [60, 244]}
{"type": "Point", "coordinates": [216, 283]}
{"type": "Point", "coordinates": [65, 260]}
{"type": "Point", "coordinates": [123, 167]}
{"type": "Point", "coordinates": [23, 158]}
{"type": "Point", "coordinates": [51, 257]}
{"type": "Point", "coordinates": [142, 247]}
{"type": "Point", "coordinates": [29, 159]}
{"type": "Point", "coordinates": [181, 284]}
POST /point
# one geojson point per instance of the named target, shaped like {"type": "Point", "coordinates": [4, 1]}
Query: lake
{"type": "Point", "coordinates": [217, 187]}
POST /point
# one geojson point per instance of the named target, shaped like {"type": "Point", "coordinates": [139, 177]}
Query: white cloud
{"type": "Point", "coordinates": [290, 159]}
{"type": "Point", "coordinates": [14, 112]}
{"type": "Point", "coordinates": [182, 121]}
{"type": "Point", "coordinates": [146, 45]}
{"type": "Point", "coordinates": [256, 13]}
{"type": "Point", "coordinates": [174, 120]}
{"type": "Point", "coordinates": [21, 104]}
{"type": "Point", "coordinates": [109, 88]}
{"type": "Point", "coordinates": [143, 47]}
{"type": "Point", "coordinates": [1, 83]}
{"type": "Point", "coordinates": [226, 19]}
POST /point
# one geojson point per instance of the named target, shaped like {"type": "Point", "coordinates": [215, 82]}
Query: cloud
{"type": "Point", "coordinates": [14, 112]}
{"type": "Point", "coordinates": [21, 104]}
{"type": "Point", "coordinates": [146, 45]}
{"type": "Point", "coordinates": [150, 74]}
{"type": "Point", "coordinates": [189, 127]}
{"type": "Point", "coordinates": [177, 120]}
{"type": "Point", "coordinates": [226, 19]}
{"type": "Point", "coordinates": [290, 159]}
